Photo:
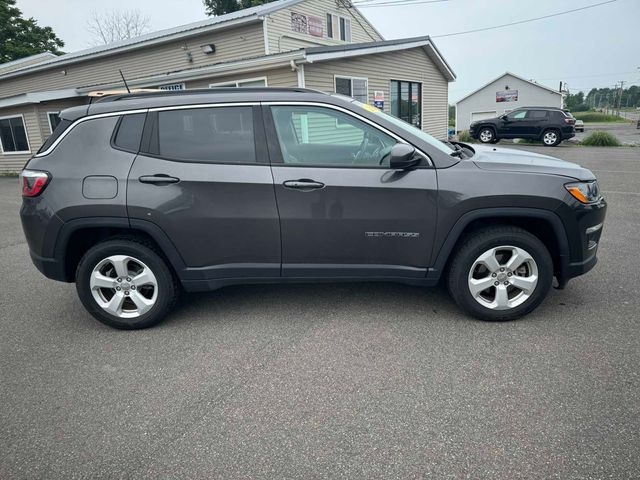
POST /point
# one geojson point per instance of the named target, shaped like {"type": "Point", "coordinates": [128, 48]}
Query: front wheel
{"type": "Point", "coordinates": [125, 283]}
{"type": "Point", "coordinates": [551, 138]}
{"type": "Point", "coordinates": [500, 273]}
{"type": "Point", "coordinates": [486, 135]}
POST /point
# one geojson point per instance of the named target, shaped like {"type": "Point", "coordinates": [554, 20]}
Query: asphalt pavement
{"type": "Point", "coordinates": [626, 133]}
{"type": "Point", "coordinates": [329, 381]}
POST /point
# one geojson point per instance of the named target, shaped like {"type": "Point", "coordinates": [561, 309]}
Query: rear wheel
{"type": "Point", "coordinates": [125, 283]}
{"type": "Point", "coordinates": [486, 135]}
{"type": "Point", "coordinates": [551, 138]}
{"type": "Point", "coordinates": [500, 273]}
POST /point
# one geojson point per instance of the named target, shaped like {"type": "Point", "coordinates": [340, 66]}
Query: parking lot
{"type": "Point", "coordinates": [329, 381]}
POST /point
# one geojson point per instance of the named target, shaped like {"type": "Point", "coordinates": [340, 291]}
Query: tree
{"type": "Point", "coordinates": [220, 7]}
{"type": "Point", "coordinates": [23, 37]}
{"type": "Point", "coordinates": [117, 25]}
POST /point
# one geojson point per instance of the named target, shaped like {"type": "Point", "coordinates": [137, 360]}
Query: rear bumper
{"type": "Point", "coordinates": [50, 267]}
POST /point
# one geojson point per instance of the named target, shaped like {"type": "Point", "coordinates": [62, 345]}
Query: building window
{"type": "Point", "coordinates": [247, 82]}
{"type": "Point", "coordinates": [54, 120]}
{"type": "Point", "coordinates": [338, 28]}
{"type": "Point", "coordinates": [13, 135]}
{"type": "Point", "coordinates": [353, 87]}
{"type": "Point", "coordinates": [406, 101]}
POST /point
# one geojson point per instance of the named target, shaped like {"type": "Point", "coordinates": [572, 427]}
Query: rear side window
{"type": "Point", "coordinates": [59, 130]}
{"type": "Point", "coordinates": [537, 114]}
{"type": "Point", "coordinates": [211, 135]}
{"type": "Point", "coordinates": [129, 132]}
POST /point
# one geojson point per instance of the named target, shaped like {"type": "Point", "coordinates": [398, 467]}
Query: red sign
{"type": "Point", "coordinates": [315, 26]}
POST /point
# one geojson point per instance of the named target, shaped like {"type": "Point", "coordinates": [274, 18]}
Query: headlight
{"type": "Point", "coordinates": [584, 192]}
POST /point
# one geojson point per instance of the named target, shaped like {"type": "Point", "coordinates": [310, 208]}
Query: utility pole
{"type": "Point", "coordinates": [620, 96]}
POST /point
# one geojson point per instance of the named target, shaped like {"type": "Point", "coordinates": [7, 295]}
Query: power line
{"type": "Point", "coordinates": [370, 3]}
{"type": "Point", "coordinates": [525, 21]}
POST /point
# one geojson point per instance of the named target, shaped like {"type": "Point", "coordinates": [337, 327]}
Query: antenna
{"type": "Point", "coordinates": [125, 82]}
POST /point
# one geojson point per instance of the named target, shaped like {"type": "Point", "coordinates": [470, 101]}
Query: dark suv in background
{"type": "Point", "coordinates": [136, 197]}
{"type": "Point", "coordinates": [549, 125]}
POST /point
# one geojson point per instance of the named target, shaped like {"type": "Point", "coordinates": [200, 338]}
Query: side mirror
{"type": "Point", "coordinates": [403, 157]}
{"type": "Point", "coordinates": [504, 117]}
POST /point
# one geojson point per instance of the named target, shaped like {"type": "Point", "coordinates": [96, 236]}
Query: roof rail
{"type": "Point", "coordinates": [197, 91]}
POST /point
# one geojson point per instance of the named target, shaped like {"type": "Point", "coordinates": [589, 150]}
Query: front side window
{"type": "Point", "coordinates": [406, 101]}
{"type": "Point", "coordinates": [355, 88]}
{"type": "Point", "coordinates": [518, 115]}
{"type": "Point", "coordinates": [13, 135]}
{"type": "Point", "coordinates": [211, 135]}
{"type": "Point", "coordinates": [318, 136]}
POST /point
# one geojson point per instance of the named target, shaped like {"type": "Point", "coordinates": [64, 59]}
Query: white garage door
{"type": "Point", "coordinates": [475, 116]}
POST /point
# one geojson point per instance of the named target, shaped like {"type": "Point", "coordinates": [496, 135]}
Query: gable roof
{"type": "Point", "coordinates": [513, 75]}
{"type": "Point", "coordinates": [196, 28]}
{"type": "Point", "coordinates": [328, 52]}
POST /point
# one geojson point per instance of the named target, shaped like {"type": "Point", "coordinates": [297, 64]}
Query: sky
{"type": "Point", "coordinates": [596, 47]}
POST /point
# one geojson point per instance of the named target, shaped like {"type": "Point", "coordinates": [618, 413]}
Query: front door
{"type": "Point", "coordinates": [343, 212]}
{"type": "Point", "coordinates": [514, 125]}
{"type": "Point", "coordinates": [203, 177]}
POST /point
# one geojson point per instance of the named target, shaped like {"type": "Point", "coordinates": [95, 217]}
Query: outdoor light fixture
{"type": "Point", "coordinates": [208, 49]}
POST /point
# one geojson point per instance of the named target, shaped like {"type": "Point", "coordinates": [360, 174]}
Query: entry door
{"type": "Point", "coordinates": [515, 125]}
{"type": "Point", "coordinates": [203, 177]}
{"type": "Point", "coordinates": [343, 212]}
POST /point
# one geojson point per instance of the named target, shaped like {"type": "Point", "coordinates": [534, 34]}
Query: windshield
{"type": "Point", "coordinates": [407, 127]}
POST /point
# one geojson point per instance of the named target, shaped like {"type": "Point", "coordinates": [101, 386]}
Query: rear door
{"type": "Point", "coordinates": [203, 177]}
{"type": "Point", "coordinates": [343, 212]}
{"type": "Point", "coordinates": [536, 122]}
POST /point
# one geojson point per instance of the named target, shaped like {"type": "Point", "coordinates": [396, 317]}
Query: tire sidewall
{"type": "Point", "coordinates": [470, 252]}
{"type": "Point", "coordinates": [166, 286]}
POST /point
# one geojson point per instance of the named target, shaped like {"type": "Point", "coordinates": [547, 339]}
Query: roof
{"type": "Point", "coordinates": [513, 75]}
{"type": "Point", "coordinates": [19, 63]}
{"type": "Point", "coordinates": [196, 28]}
{"type": "Point", "coordinates": [38, 97]}
{"type": "Point", "coordinates": [327, 52]}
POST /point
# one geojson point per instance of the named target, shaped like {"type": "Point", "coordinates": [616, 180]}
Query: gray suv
{"type": "Point", "coordinates": [137, 197]}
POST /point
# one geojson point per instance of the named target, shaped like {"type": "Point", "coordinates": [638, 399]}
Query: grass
{"type": "Point", "coordinates": [600, 139]}
{"type": "Point", "coordinates": [465, 137]}
{"type": "Point", "coordinates": [598, 117]}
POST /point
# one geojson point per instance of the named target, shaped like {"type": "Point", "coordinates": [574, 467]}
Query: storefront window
{"type": "Point", "coordinates": [406, 101]}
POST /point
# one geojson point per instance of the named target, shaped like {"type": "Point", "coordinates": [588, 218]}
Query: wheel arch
{"type": "Point", "coordinates": [77, 236]}
{"type": "Point", "coordinates": [544, 224]}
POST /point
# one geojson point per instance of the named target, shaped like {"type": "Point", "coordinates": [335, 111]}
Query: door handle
{"type": "Point", "coordinates": [304, 184]}
{"type": "Point", "coordinates": [158, 179]}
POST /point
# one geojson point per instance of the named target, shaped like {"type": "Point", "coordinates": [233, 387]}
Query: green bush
{"type": "Point", "coordinates": [465, 137]}
{"type": "Point", "coordinates": [597, 117]}
{"type": "Point", "coordinates": [600, 139]}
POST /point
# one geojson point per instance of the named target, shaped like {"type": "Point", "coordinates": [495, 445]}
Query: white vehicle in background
{"type": "Point", "coordinates": [579, 126]}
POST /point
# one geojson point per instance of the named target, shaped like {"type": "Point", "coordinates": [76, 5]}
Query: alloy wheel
{"type": "Point", "coordinates": [503, 277]}
{"type": "Point", "coordinates": [124, 286]}
{"type": "Point", "coordinates": [550, 138]}
{"type": "Point", "coordinates": [486, 136]}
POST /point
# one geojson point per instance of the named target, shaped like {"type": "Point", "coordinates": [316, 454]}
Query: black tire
{"type": "Point", "coordinates": [473, 246]}
{"type": "Point", "coordinates": [553, 131]}
{"type": "Point", "coordinates": [167, 287]}
{"type": "Point", "coordinates": [488, 134]}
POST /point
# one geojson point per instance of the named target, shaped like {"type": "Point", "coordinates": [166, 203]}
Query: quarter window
{"type": "Point", "coordinates": [130, 132]}
{"type": "Point", "coordinates": [13, 135]}
{"type": "Point", "coordinates": [356, 88]}
{"type": "Point", "coordinates": [216, 135]}
{"type": "Point", "coordinates": [325, 137]}
{"type": "Point", "coordinates": [406, 101]}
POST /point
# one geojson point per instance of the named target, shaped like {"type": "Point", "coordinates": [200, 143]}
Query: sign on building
{"type": "Point", "coordinates": [507, 96]}
{"type": "Point", "coordinates": [378, 99]}
{"type": "Point", "coordinates": [307, 24]}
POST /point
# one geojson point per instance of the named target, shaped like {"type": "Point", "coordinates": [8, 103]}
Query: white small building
{"type": "Point", "coordinates": [499, 96]}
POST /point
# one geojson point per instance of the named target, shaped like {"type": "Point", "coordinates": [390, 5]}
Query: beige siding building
{"type": "Point", "coordinates": [319, 44]}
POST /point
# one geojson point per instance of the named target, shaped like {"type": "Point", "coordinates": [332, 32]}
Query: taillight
{"type": "Point", "coordinates": [33, 182]}
{"type": "Point", "coordinates": [570, 121]}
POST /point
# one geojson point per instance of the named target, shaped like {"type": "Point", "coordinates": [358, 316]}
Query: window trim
{"type": "Point", "coordinates": [269, 124]}
{"type": "Point", "coordinates": [49, 120]}
{"type": "Point", "coordinates": [26, 135]}
{"type": "Point", "coordinates": [351, 78]}
{"type": "Point", "coordinates": [242, 80]}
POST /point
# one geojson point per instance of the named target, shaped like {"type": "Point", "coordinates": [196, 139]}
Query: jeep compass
{"type": "Point", "coordinates": [138, 197]}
